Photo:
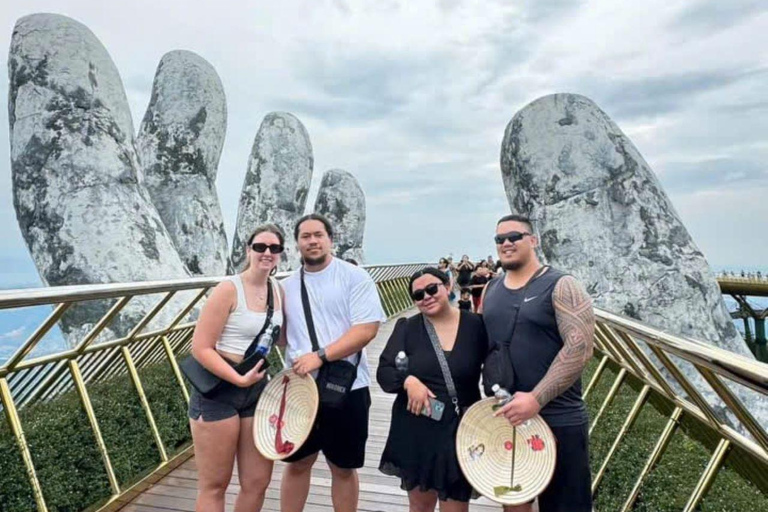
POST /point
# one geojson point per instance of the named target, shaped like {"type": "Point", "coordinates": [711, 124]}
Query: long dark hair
{"type": "Point", "coordinates": [264, 228]}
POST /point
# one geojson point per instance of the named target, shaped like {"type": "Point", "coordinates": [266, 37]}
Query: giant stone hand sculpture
{"type": "Point", "coordinates": [82, 211]}
{"type": "Point", "coordinates": [276, 184]}
{"type": "Point", "coordinates": [601, 214]}
{"type": "Point", "coordinates": [179, 145]}
{"type": "Point", "coordinates": [342, 200]}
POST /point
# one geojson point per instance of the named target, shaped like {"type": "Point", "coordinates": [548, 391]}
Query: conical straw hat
{"type": "Point", "coordinates": [485, 447]}
{"type": "Point", "coordinates": [301, 403]}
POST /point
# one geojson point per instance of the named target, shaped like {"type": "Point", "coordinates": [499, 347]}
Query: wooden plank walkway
{"type": "Point", "coordinates": [378, 492]}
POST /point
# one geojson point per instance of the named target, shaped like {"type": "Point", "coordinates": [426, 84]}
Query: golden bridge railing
{"type": "Point", "coordinates": [653, 357]}
{"type": "Point", "coordinates": [26, 380]}
{"type": "Point", "coordinates": [638, 352]}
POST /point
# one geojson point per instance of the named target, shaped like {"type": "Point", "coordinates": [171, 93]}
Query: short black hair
{"type": "Point", "coordinates": [442, 276]}
{"type": "Point", "coordinates": [514, 217]}
{"type": "Point", "coordinates": [313, 216]}
{"type": "Point", "coordinates": [465, 290]}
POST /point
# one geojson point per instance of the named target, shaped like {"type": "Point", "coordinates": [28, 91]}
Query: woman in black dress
{"type": "Point", "coordinates": [420, 450]}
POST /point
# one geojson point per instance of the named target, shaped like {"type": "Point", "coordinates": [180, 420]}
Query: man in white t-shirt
{"type": "Point", "coordinates": [346, 312]}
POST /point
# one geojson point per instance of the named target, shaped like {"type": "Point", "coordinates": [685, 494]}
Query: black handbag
{"type": "Point", "coordinates": [206, 382]}
{"type": "Point", "coordinates": [335, 378]}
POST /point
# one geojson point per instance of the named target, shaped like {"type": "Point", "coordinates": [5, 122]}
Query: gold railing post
{"type": "Point", "coordinates": [387, 299]}
{"type": "Point", "coordinates": [658, 451]}
{"type": "Point", "coordinates": [397, 294]}
{"type": "Point", "coordinates": [595, 376]}
{"type": "Point", "coordinates": [400, 291]}
{"type": "Point", "coordinates": [395, 304]}
{"type": "Point", "coordinates": [34, 339]}
{"type": "Point", "coordinates": [102, 323]}
{"type": "Point", "coordinates": [736, 406]}
{"type": "Point", "coordinates": [86, 401]}
{"type": "Point", "coordinates": [648, 364]}
{"type": "Point", "coordinates": [381, 299]}
{"type": "Point", "coordinates": [608, 344]}
{"type": "Point", "coordinates": [628, 422]}
{"type": "Point", "coordinates": [708, 476]}
{"type": "Point", "coordinates": [608, 398]}
{"type": "Point", "coordinates": [689, 388]}
{"type": "Point", "coordinates": [18, 432]}
{"type": "Point", "coordinates": [175, 366]}
{"type": "Point", "coordinates": [144, 402]}
{"type": "Point", "coordinates": [620, 341]}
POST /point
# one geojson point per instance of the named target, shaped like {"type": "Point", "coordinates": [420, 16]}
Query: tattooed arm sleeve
{"type": "Point", "coordinates": [576, 323]}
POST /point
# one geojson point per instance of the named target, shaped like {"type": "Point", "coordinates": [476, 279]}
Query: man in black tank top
{"type": "Point", "coordinates": [540, 326]}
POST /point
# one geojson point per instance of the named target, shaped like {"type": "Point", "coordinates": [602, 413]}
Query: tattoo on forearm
{"type": "Point", "coordinates": [576, 323]}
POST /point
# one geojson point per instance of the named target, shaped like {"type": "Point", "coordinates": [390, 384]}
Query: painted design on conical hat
{"type": "Point", "coordinates": [285, 414]}
{"type": "Point", "coordinates": [508, 465]}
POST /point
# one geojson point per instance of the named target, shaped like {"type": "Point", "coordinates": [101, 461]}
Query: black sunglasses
{"type": "Point", "coordinates": [512, 236]}
{"type": "Point", "coordinates": [273, 248]}
{"type": "Point", "coordinates": [430, 289]}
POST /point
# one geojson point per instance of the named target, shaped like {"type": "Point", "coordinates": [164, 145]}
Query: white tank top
{"type": "Point", "coordinates": [243, 324]}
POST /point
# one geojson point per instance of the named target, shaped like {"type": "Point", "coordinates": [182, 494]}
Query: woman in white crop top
{"type": "Point", "coordinates": [222, 422]}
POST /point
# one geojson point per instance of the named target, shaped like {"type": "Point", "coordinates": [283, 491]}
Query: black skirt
{"type": "Point", "coordinates": [422, 453]}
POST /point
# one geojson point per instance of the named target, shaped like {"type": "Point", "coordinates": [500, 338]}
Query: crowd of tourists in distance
{"type": "Point", "coordinates": [524, 328]}
{"type": "Point", "coordinates": [469, 278]}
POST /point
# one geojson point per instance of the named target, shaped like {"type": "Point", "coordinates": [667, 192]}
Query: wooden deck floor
{"type": "Point", "coordinates": [378, 493]}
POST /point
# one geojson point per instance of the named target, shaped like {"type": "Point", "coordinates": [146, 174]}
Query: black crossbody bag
{"type": "Point", "coordinates": [206, 382]}
{"type": "Point", "coordinates": [335, 378]}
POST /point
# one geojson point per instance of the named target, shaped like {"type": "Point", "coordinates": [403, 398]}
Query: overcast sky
{"type": "Point", "coordinates": [414, 100]}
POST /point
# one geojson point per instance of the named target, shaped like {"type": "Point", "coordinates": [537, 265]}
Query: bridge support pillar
{"type": "Point", "coordinates": [761, 344]}
{"type": "Point", "coordinates": [760, 331]}
{"type": "Point", "coordinates": [747, 331]}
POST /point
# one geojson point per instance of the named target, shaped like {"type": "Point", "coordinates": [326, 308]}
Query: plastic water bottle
{"type": "Point", "coordinates": [265, 342]}
{"type": "Point", "coordinates": [501, 394]}
{"type": "Point", "coordinates": [401, 361]}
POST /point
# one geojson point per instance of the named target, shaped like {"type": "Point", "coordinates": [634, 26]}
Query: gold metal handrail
{"type": "Point", "coordinates": [629, 344]}
{"type": "Point", "coordinates": [640, 351]}
{"type": "Point", "coordinates": [25, 380]}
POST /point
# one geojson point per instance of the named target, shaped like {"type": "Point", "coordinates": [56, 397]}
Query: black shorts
{"type": "Point", "coordinates": [340, 433]}
{"type": "Point", "coordinates": [571, 487]}
{"type": "Point", "coordinates": [228, 400]}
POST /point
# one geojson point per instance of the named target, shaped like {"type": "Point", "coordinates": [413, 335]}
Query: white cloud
{"type": "Point", "coordinates": [13, 334]}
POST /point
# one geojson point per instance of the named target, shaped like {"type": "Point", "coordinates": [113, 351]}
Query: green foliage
{"type": "Point", "coordinates": [610, 424]}
{"type": "Point", "coordinates": [64, 450]}
{"type": "Point", "coordinates": [731, 492]}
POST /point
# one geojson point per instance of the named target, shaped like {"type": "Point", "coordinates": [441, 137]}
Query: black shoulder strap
{"type": "Point", "coordinates": [270, 311]}
{"type": "Point", "coordinates": [308, 313]}
{"type": "Point", "coordinates": [517, 311]}
{"type": "Point", "coordinates": [435, 340]}
{"type": "Point", "coordinates": [514, 320]}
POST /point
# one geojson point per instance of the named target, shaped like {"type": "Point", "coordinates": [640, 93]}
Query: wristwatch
{"type": "Point", "coordinates": [321, 355]}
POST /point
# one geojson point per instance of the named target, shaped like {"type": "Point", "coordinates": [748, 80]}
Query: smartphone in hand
{"type": "Point", "coordinates": [437, 409]}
